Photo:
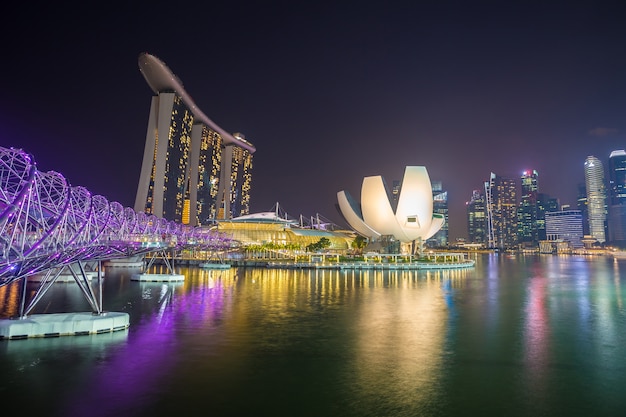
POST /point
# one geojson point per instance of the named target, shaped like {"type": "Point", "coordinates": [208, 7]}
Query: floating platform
{"type": "Point", "coordinates": [157, 277]}
{"type": "Point", "coordinates": [214, 265]}
{"type": "Point", "coordinates": [62, 278]}
{"type": "Point", "coordinates": [124, 263]}
{"type": "Point", "coordinates": [62, 324]}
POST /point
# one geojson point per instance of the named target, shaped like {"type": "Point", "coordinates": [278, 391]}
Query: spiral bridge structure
{"type": "Point", "coordinates": [46, 223]}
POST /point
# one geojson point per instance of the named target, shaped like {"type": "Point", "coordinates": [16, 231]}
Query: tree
{"type": "Point", "coordinates": [358, 244]}
{"type": "Point", "coordinates": [323, 243]}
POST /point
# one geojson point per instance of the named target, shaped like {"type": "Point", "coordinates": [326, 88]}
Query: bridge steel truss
{"type": "Point", "coordinates": [48, 226]}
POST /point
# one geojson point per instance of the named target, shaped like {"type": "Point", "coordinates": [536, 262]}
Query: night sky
{"type": "Point", "coordinates": [328, 92]}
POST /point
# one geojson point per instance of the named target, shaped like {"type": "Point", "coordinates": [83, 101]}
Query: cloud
{"type": "Point", "coordinates": [603, 131]}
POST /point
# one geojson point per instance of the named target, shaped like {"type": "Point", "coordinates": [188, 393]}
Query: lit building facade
{"type": "Point", "coordinates": [545, 204]}
{"type": "Point", "coordinates": [617, 198]}
{"type": "Point", "coordinates": [205, 175]}
{"type": "Point", "coordinates": [581, 204]}
{"type": "Point", "coordinates": [412, 222]}
{"type": "Point", "coordinates": [566, 225]}
{"type": "Point", "coordinates": [501, 209]}
{"type": "Point", "coordinates": [237, 175]}
{"type": "Point", "coordinates": [440, 206]}
{"type": "Point", "coordinates": [186, 155]}
{"type": "Point", "coordinates": [476, 218]}
{"type": "Point", "coordinates": [269, 228]}
{"type": "Point", "coordinates": [527, 230]}
{"type": "Point", "coordinates": [165, 158]}
{"type": "Point", "coordinates": [596, 198]}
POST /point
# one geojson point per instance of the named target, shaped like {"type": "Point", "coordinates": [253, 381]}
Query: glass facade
{"type": "Point", "coordinates": [617, 198]}
{"type": "Point", "coordinates": [527, 230]}
{"type": "Point", "coordinates": [241, 182]}
{"type": "Point", "coordinates": [476, 218]}
{"type": "Point", "coordinates": [581, 204]}
{"type": "Point", "coordinates": [440, 206]}
{"type": "Point", "coordinates": [596, 198]}
{"type": "Point", "coordinates": [176, 175]}
{"type": "Point", "coordinates": [261, 233]}
{"type": "Point", "coordinates": [501, 207]}
{"type": "Point", "coordinates": [545, 204]}
{"type": "Point", "coordinates": [565, 225]}
{"type": "Point", "coordinates": [208, 176]}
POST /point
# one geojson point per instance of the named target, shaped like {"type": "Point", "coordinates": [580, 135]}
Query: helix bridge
{"type": "Point", "coordinates": [48, 226]}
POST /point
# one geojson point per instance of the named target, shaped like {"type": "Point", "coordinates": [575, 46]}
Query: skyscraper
{"type": "Point", "coordinates": [164, 173]}
{"type": "Point", "coordinates": [581, 204]}
{"type": "Point", "coordinates": [207, 149]}
{"type": "Point", "coordinates": [192, 169]}
{"type": "Point", "coordinates": [440, 206]}
{"type": "Point", "coordinates": [476, 218]}
{"type": "Point", "coordinates": [545, 204]}
{"type": "Point", "coordinates": [501, 208]}
{"type": "Point", "coordinates": [236, 175]}
{"type": "Point", "coordinates": [596, 198]}
{"type": "Point", "coordinates": [617, 198]}
{"type": "Point", "coordinates": [527, 230]}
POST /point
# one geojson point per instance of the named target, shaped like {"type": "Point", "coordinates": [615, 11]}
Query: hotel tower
{"type": "Point", "coordinates": [193, 171]}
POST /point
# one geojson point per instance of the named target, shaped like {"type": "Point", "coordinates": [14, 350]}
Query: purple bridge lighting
{"type": "Point", "coordinates": [47, 225]}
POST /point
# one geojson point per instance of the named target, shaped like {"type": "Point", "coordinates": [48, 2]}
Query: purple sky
{"type": "Point", "coordinates": [327, 93]}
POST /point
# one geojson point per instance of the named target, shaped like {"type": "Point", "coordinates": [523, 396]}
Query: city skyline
{"type": "Point", "coordinates": [328, 94]}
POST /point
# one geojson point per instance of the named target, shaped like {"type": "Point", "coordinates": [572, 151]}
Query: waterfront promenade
{"type": "Point", "coordinates": [466, 263]}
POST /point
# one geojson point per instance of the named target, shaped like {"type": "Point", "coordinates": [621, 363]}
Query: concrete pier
{"type": "Point", "coordinates": [63, 324]}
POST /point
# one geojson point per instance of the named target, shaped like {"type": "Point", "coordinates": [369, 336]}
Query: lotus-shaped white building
{"type": "Point", "coordinates": [413, 219]}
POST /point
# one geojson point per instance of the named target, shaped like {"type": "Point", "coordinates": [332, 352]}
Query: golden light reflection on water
{"type": "Point", "coordinates": [389, 326]}
{"type": "Point", "coordinates": [400, 338]}
{"type": "Point", "coordinates": [10, 296]}
{"type": "Point", "coordinates": [401, 320]}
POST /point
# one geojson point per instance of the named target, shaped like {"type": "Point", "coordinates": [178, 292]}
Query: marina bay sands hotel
{"type": "Point", "coordinates": [193, 171]}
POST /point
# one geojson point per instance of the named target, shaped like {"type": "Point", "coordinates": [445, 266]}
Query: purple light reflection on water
{"type": "Point", "coordinates": [128, 382]}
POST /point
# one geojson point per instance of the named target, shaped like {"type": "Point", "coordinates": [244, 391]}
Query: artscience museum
{"type": "Point", "coordinates": [408, 219]}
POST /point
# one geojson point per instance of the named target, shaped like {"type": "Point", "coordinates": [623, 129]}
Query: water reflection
{"type": "Point", "coordinates": [513, 336]}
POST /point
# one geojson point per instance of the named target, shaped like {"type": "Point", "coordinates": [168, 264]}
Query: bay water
{"type": "Point", "coordinates": [523, 335]}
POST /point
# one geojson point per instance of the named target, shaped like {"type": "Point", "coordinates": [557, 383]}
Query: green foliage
{"type": "Point", "coordinates": [358, 244]}
{"type": "Point", "coordinates": [321, 244]}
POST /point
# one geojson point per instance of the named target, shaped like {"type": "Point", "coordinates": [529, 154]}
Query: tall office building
{"type": "Point", "coordinates": [501, 208]}
{"type": "Point", "coordinates": [596, 198]}
{"type": "Point", "coordinates": [440, 206]}
{"type": "Point", "coordinates": [192, 171]}
{"type": "Point", "coordinates": [566, 225]}
{"type": "Point", "coordinates": [476, 218]}
{"type": "Point", "coordinates": [527, 230]}
{"type": "Point", "coordinates": [545, 204]}
{"type": "Point", "coordinates": [617, 198]}
{"type": "Point", "coordinates": [581, 204]}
